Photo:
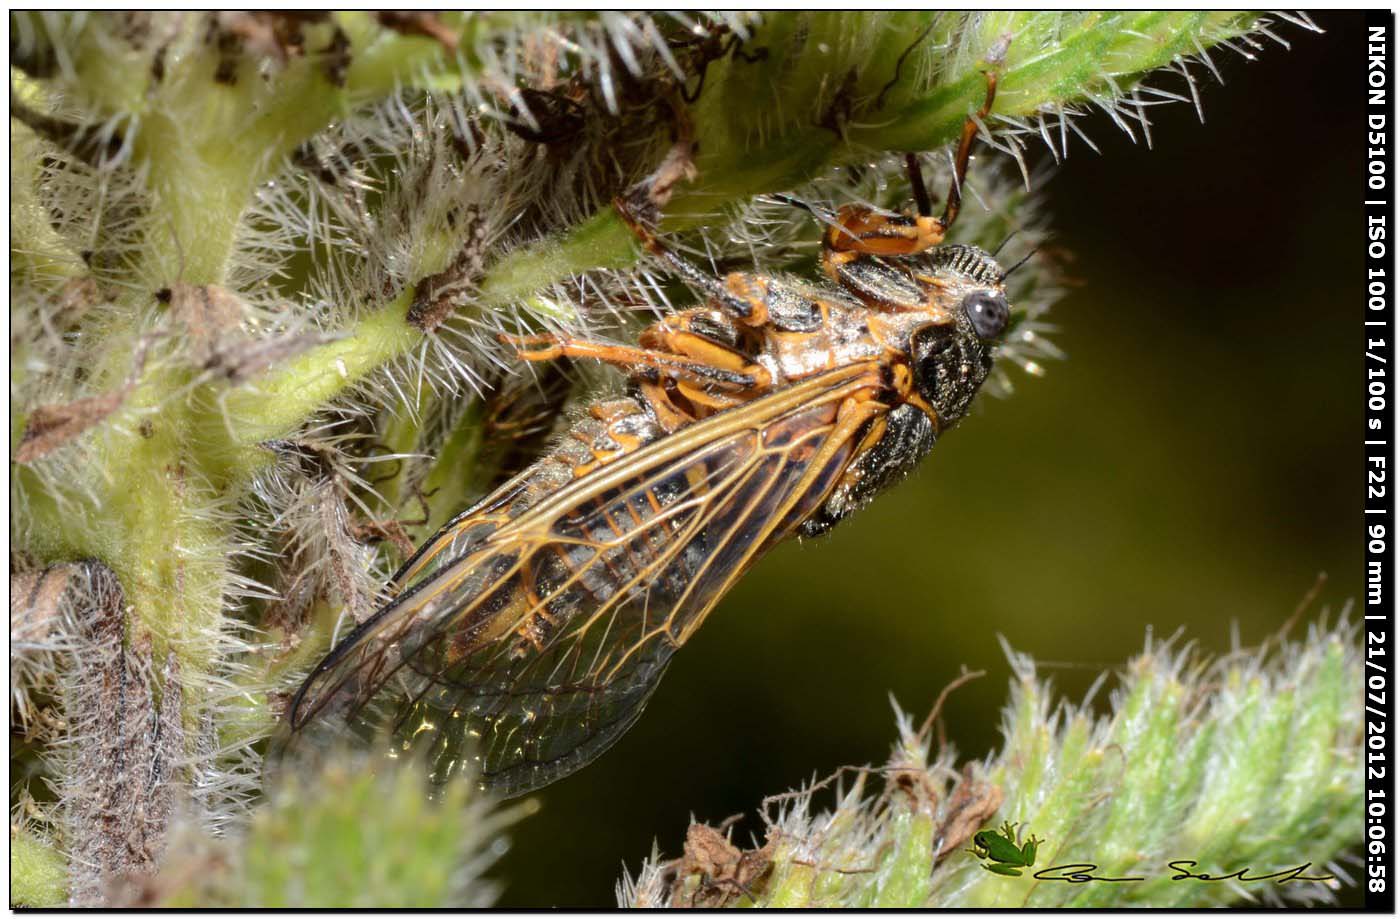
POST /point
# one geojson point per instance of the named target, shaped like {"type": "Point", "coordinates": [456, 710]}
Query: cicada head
{"type": "Point", "coordinates": [952, 355]}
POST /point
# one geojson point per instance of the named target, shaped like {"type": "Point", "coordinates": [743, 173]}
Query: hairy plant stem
{"type": "Point", "coordinates": [203, 175]}
{"type": "Point", "coordinates": [166, 470]}
{"type": "Point", "coordinates": [203, 154]}
{"type": "Point", "coordinates": [733, 168]}
{"type": "Point", "coordinates": [1244, 764]}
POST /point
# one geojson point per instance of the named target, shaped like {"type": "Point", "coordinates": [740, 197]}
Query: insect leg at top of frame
{"type": "Point", "coordinates": [953, 204]}
{"type": "Point", "coordinates": [859, 230]}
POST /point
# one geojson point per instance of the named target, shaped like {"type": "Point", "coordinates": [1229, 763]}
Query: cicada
{"type": "Point", "coordinates": [527, 635]}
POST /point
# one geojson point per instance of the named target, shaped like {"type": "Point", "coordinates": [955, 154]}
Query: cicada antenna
{"type": "Point", "coordinates": [1002, 245]}
{"type": "Point", "coordinates": [1025, 258]}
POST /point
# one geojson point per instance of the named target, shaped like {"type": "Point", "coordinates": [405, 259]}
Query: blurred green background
{"type": "Point", "coordinates": [1192, 464]}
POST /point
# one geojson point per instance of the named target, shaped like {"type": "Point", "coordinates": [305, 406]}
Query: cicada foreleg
{"type": "Point", "coordinates": [960, 160]}
{"type": "Point", "coordinates": [859, 230]}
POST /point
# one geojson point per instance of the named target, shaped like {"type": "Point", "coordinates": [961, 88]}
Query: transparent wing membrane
{"type": "Point", "coordinates": [531, 631]}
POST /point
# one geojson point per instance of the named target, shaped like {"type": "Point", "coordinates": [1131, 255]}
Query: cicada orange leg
{"type": "Point", "coordinates": [644, 363]}
{"type": "Point", "coordinates": [858, 230]}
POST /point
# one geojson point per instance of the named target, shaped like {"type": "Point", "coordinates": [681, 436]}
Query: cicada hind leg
{"type": "Point", "coordinates": [674, 355]}
{"type": "Point", "coordinates": [689, 364]}
{"type": "Point", "coordinates": [681, 374]}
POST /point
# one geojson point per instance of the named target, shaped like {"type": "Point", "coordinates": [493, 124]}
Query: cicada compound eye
{"type": "Point", "coordinates": [989, 313]}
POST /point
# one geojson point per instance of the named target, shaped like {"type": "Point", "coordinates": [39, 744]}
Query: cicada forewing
{"type": "Point", "coordinates": [530, 632]}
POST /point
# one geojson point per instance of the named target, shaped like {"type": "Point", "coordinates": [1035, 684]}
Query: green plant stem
{"type": "Point", "coordinates": [38, 872]}
{"type": "Point", "coordinates": [271, 406]}
{"type": "Point", "coordinates": [733, 168]}
{"type": "Point", "coordinates": [203, 147]}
